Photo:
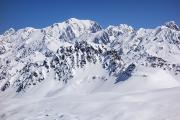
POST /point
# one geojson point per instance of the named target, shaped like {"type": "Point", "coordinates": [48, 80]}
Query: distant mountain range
{"type": "Point", "coordinates": [79, 56]}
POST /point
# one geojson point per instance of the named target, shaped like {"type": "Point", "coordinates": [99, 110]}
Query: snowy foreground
{"type": "Point", "coordinates": [152, 105]}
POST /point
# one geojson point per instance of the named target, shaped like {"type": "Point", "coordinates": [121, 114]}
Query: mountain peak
{"type": "Point", "coordinates": [9, 32]}
{"type": "Point", "coordinates": [120, 29]}
{"type": "Point", "coordinates": [72, 28]}
{"type": "Point", "coordinates": [80, 22]}
{"type": "Point", "coordinates": [73, 20]}
{"type": "Point", "coordinates": [83, 25]}
{"type": "Point", "coordinates": [172, 25]}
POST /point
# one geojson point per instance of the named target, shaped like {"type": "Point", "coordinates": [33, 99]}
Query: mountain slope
{"type": "Point", "coordinates": [78, 58]}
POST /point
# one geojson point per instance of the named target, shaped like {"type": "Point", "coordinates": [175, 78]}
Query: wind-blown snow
{"type": "Point", "coordinates": [152, 105]}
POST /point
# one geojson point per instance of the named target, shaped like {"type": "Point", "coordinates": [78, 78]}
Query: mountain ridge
{"type": "Point", "coordinates": [64, 47]}
{"type": "Point", "coordinates": [169, 24]}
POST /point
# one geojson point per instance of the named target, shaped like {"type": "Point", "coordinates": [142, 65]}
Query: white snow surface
{"type": "Point", "coordinates": [152, 105]}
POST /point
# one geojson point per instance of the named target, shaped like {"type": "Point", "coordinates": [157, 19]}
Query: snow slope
{"type": "Point", "coordinates": [152, 105]}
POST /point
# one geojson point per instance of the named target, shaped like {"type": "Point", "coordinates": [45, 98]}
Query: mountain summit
{"type": "Point", "coordinates": [172, 25]}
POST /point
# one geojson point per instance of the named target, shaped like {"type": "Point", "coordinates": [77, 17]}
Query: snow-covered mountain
{"type": "Point", "coordinates": [79, 58]}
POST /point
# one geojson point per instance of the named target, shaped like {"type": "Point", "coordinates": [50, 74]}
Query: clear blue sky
{"type": "Point", "coordinates": [41, 13]}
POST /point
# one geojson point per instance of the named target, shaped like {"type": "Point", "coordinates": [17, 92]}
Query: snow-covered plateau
{"type": "Point", "coordinates": [77, 70]}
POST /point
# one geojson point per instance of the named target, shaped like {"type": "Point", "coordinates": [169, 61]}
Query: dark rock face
{"type": "Point", "coordinates": [2, 49]}
{"type": "Point", "coordinates": [63, 62]}
{"type": "Point", "coordinates": [172, 25]}
{"type": "Point", "coordinates": [124, 75]}
{"type": "Point", "coordinates": [6, 85]}
{"type": "Point", "coordinates": [31, 74]}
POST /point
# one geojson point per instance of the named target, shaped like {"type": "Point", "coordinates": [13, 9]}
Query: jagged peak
{"type": "Point", "coordinates": [74, 27]}
{"type": "Point", "coordinates": [120, 29]}
{"type": "Point", "coordinates": [9, 31]}
{"type": "Point", "coordinates": [172, 25]}
{"type": "Point", "coordinates": [29, 28]}
{"type": "Point", "coordinates": [87, 24]}
{"type": "Point", "coordinates": [122, 26]}
{"type": "Point", "coordinates": [75, 20]}
{"type": "Point", "coordinates": [77, 24]}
